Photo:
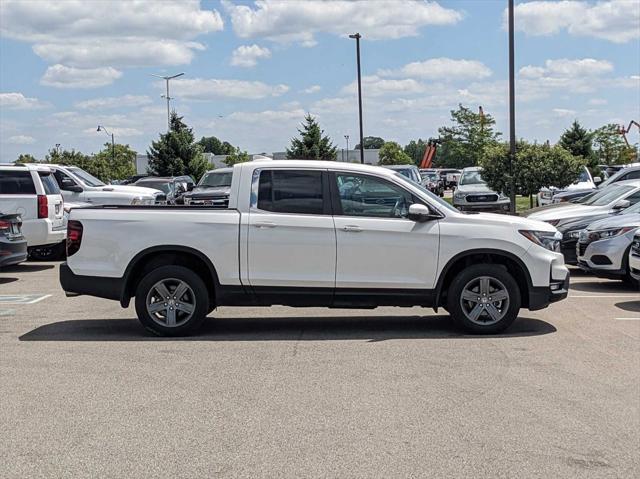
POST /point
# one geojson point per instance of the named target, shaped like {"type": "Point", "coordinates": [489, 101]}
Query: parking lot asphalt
{"type": "Point", "coordinates": [283, 392]}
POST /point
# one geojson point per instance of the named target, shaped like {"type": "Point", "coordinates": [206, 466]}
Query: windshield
{"type": "Point", "coordinates": [584, 177]}
{"type": "Point", "coordinates": [604, 197]}
{"type": "Point", "coordinates": [222, 178]}
{"type": "Point", "coordinates": [86, 178]}
{"type": "Point", "coordinates": [430, 176]}
{"type": "Point", "coordinates": [471, 177]}
{"type": "Point", "coordinates": [426, 192]}
{"type": "Point", "coordinates": [163, 186]}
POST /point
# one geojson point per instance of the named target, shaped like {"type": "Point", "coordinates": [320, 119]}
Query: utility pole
{"type": "Point", "coordinates": [113, 142]}
{"type": "Point", "coordinates": [168, 98]}
{"type": "Point", "coordinates": [357, 37]}
{"type": "Point", "coordinates": [512, 112]}
{"type": "Point", "coordinates": [346, 137]}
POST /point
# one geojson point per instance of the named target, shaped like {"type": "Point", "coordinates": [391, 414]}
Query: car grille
{"type": "Point", "coordinates": [481, 198]}
{"type": "Point", "coordinates": [216, 201]}
{"type": "Point", "coordinates": [582, 247]}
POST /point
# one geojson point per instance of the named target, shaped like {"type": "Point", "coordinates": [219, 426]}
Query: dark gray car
{"type": "Point", "coordinates": [13, 245]}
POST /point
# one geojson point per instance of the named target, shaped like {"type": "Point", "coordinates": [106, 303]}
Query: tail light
{"type": "Point", "coordinates": [74, 237]}
{"type": "Point", "coordinates": [43, 206]}
{"type": "Point", "coordinates": [4, 225]}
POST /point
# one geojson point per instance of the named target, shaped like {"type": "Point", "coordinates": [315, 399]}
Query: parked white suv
{"type": "Point", "coordinates": [78, 186]}
{"type": "Point", "coordinates": [31, 191]}
{"type": "Point", "coordinates": [313, 233]}
{"type": "Point", "coordinates": [584, 182]}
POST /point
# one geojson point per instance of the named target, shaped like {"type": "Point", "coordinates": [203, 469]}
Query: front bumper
{"type": "Point", "coordinates": [12, 252]}
{"type": "Point", "coordinates": [606, 257]}
{"type": "Point", "coordinates": [542, 296]}
{"type": "Point", "coordinates": [463, 205]}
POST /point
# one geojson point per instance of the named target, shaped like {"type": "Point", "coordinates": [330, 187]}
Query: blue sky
{"type": "Point", "coordinates": [253, 69]}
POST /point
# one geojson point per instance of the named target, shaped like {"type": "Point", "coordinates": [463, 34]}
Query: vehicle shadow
{"type": "Point", "coordinates": [27, 268]}
{"type": "Point", "coordinates": [7, 280]}
{"type": "Point", "coordinates": [633, 306]}
{"type": "Point", "coordinates": [371, 328]}
{"type": "Point", "coordinates": [603, 286]}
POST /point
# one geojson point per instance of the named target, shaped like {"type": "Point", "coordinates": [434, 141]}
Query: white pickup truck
{"type": "Point", "coordinates": [305, 233]}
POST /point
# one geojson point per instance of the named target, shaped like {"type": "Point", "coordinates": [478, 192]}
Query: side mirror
{"type": "Point", "coordinates": [420, 213]}
{"type": "Point", "coordinates": [71, 187]}
{"type": "Point", "coordinates": [621, 205]}
{"type": "Point", "coordinates": [190, 186]}
{"type": "Point", "coordinates": [597, 180]}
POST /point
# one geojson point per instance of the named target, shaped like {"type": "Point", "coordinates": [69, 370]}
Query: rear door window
{"type": "Point", "coordinates": [16, 183]}
{"type": "Point", "coordinates": [291, 191]}
{"type": "Point", "coordinates": [49, 183]}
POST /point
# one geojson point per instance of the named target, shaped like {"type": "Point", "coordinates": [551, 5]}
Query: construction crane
{"type": "Point", "coordinates": [623, 131]}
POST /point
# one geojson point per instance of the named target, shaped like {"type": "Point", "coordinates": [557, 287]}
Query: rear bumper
{"type": "Point", "coordinates": [542, 296]}
{"type": "Point", "coordinates": [12, 252]}
{"type": "Point", "coordinates": [74, 284]}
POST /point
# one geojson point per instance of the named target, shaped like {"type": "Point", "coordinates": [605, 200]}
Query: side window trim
{"type": "Point", "coordinates": [327, 209]}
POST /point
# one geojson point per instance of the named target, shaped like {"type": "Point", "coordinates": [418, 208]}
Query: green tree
{"type": "Point", "coordinates": [535, 166]}
{"type": "Point", "coordinates": [610, 147]}
{"type": "Point", "coordinates": [463, 143]}
{"type": "Point", "coordinates": [415, 150]}
{"type": "Point", "coordinates": [118, 162]}
{"type": "Point", "coordinates": [26, 158]}
{"type": "Point", "coordinates": [237, 156]}
{"type": "Point", "coordinates": [371, 143]}
{"type": "Point", "coordinates": [579, 142]}
{"type": "Point", "coordinates": [391, 154]}
{"type": "Point", "coordinates": [211, 144]}
{"type": "Point", "coordinates": [312, 144]}
{"type": "Point", "coordinates": [176, 152]}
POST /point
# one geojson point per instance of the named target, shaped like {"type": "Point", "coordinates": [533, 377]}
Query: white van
{"type": "Point", "coordinates": [32, 192]}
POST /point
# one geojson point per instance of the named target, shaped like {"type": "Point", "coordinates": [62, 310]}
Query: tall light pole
{"type": "Point", "coordinates": [57, 148]}
{"type": "Point", "coordinates": [166, 79]}
{"type": "Point", "coordinates": [113, 143]}
{"type": "Point", "coordinates": [357, 37]}
{"type": "Point", "coordinates": [512, 112]}
{"type": "Point", "coordinates": [346, 137]}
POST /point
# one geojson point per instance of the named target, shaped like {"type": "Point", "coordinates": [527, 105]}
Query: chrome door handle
{"type": "Point", "coordinates": [265, 224]}
{"type": "Point", "coordinates": [352, 228]}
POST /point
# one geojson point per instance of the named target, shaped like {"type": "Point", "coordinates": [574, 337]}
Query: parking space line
{"type": "Point", "coordinates": [23, 298]}
{"type": "Point", "coordinates": [627, 319]}
{"type": "Point", "coordinates": [628, 295]}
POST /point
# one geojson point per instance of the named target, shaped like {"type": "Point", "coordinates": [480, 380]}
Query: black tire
{"type": "Point", "coordinates": [199, 295]}
{"type": "Point", "coordinates": [500, 276]}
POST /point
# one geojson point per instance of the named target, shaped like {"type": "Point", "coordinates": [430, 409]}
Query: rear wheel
{"type": "Point", "coordinates": [484, 299]}
{"type": "Point", "coordinates": [172, 301]}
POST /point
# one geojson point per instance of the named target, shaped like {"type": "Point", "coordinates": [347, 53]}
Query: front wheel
{"type": "Point", "coordinates": [172, 301]}
{"type": "Point", "coordinates": [484, 299]}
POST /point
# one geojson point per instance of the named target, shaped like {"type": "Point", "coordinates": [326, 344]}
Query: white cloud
{"type": "Point", "coordinates": [117, 132]}
{"type": "Point", "coordinates": [125, 101]}
{"type": "Point", "coordinates": [376, 86]}
{"type": "Point", "coordinates": [61, 76]}
{"type": "Point", "coordinates": [563, 112]}
{"type": "Point", "coordinates": [295, 21]}
{"type": "Point", "coordinates": [211, 88]}
{"type": "Point", "coordinates": [248, 55]}
{"type": "Point", "coordinates": [598, 101]}
{"type": "Point", "coordinates": [564, 68]}
{"type": "Point", "coordinates": [617, 21]}
{"type": "Point", "coordinates": [268, 116]}
{"type": "Point", "coordinates": [87, 34]}
{"type": "Point", "coordinates": [17, 101]}
{"type": "Point", "coordinates": [21, 140]}
{"type": "Point", "coordinates": [312, 89]}
{"type": "Point", "coordinates": [442, 68]}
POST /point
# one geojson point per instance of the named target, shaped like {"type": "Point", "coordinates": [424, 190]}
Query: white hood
{"type": "Point", "coordinates": [131, 190]}
{"type": "Point", "coordinates": [566, 211]}
{"type": "Point", "coordinates": [517, 222]}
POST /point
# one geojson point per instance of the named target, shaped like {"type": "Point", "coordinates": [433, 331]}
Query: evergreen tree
{"type": "Point", "coordinates": [176, 152]}
{"type": "Point", "coordinates": [211, 144]}
{"type": "Point", "coordinates": [311, 145]}
{"type": "Point", "coordinates": [578, 141]}
{"type": "Point", "coordinates": [26, 158]}
{"type": "Point", "coordinates": [415, 150]}
{"type": "Point", "coordinates": [236, 156]}
{"type": "Point", "coordinates": [371, 143]}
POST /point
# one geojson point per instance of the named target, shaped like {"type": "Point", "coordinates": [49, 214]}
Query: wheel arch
{"type": "Point", "coordinates": [460, 261]}
{"type": "Point", "coordinates": [155, 256]}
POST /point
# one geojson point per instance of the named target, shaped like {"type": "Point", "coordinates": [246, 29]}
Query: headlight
{"type": "Point", "coordinates": [609, 233]}
{"type": "Point", "coordinates": [459, 196]}
{"type": "Point", "coordinates": [546, 239]}
{"type": "Point", "coordinates": [574, 234]}
{"type": "Point", "coordinates": [141, 200]}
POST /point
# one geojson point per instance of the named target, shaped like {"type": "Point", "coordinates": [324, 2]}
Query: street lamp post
{"type": "Point", "coordinates": [357, 37]}
{"type": "Point", "coordinates": [512, 113]}
{"type": "Point", "coordinates": [168, 98]}
{"type": "Point", "coordinates": [113, 143]}
{"type": "Point", "coordinates": [346, 137]}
